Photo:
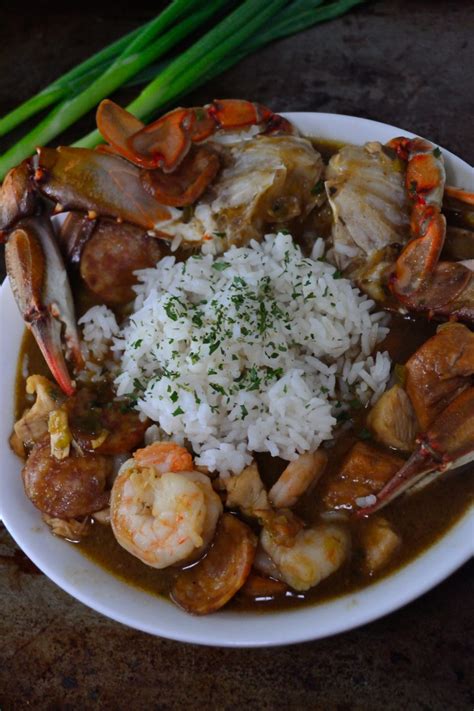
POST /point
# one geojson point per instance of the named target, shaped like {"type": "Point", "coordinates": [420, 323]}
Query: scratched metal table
{"type": "Point", "coordinates": [406, 63]}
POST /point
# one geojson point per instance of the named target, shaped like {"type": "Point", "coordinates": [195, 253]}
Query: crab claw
{"type": "Point", "coordinates": [41, 289]}
{"type": "Point", "coordinates": [448, 444]}
{"type": "Point", "coordinates": [165, 143]}
{"type": "Point", "coordinates": [17, 197]}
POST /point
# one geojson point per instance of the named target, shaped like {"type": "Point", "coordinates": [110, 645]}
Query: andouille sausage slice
{"type": "Point", "coordinates": [66, 488]}
{"type": "Point", "coordinates": [259, 587]}
{"type": "Point", "coordinates": [211, 583]}
{"type": "Point", "coordinates": [112, 254]}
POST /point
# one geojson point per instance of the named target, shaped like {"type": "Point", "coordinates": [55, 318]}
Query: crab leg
{"type": "Point", "coordinates": [98, 184]}
{"type": "Point", "coordinates": [448, 444]}
{"type": "Point", "coordinates": [420, 281]}
{"type": "Point", "coordinates": [425, 178]}
{"type": "Point", "coordinates": [41, 289]}
{"type": "Point", "coordinates": [17, 197]}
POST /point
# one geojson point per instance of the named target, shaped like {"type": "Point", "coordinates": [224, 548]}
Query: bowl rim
{"type": "Point", "coordinates": [114, 598]}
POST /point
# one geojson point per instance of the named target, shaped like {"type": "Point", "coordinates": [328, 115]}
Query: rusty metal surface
{"type": "Point", "coordinates": [407, 63]}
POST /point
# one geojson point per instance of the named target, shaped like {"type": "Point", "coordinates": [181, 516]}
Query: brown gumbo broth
{"type": "Point", "coordinates": [420, 518]}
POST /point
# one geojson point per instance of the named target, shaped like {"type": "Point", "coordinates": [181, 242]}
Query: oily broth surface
{"type": "Point", "coordinates": [421, 519]}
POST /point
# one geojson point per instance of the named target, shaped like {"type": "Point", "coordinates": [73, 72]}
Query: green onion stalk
{"type": "Point", "coordinates": [198, 65]}
{"type": "Point", "coordinates": [185, 71]}
{"type": "Point", "coordinates": [134, 57]}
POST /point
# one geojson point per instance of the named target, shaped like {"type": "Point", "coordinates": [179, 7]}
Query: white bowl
{"type": "Point", "coordinates": [92, 585]}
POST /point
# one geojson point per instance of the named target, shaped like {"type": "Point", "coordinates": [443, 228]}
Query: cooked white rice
{"type": "Point", "coordinates": [259, 349]}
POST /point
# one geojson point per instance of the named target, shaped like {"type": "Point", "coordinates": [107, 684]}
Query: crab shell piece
{"type": "Point", "coordinates": [41, 289]}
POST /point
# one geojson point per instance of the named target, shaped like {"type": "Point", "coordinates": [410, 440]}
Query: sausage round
{"type": "Point", "coordinates": [112, 254]}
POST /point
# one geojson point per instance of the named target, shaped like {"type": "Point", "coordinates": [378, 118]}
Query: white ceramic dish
{"type": "Point", "coordinates": [93, 586]}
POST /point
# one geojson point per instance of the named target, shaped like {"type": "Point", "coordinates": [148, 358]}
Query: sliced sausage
{"type": "Point", "coordinates": [258, 587]}
{"type": "Point", "coordinates": [112, 254]}
{"type": "Point", "coordinates": [211, 583]}
{"type": "Point", "coordinates": [66, 488]}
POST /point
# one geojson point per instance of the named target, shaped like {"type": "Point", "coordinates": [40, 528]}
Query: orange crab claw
{"type": "Point", "coordinates": [17, 197]}
{"type": "Point", "coordinates": [41, 289]}
{"type": "Point", "coordinates": [418, 279]}
{"type": "Point", "coordinates": [421, 255]}
{"type": "Point", "coordinates": [188, 182]}
{"type": "Point", "coordinates": [165, 143]}
{"type": "Point", "coordinates": [448, 444]}
{"type": "Point", "coordinates": [236, 113]}
{"type": "Point", "coordinates": [116, 125]}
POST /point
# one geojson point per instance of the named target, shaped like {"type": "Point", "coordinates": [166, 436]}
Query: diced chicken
{"type": "Point", "coordinates": [246, 491]}
{"type": "Point", "coordinates": [363, 472]}
{"type": "Point", "coordinates": [393, 421]}
{"type": "Point", "coordinates": [439, 371]}
{"type": "Point", "coordinates": [34, 423]}
{"type": "Point", "coordinates": [72, 528]}
{"type": "Point", "coordinates": [380, 543]}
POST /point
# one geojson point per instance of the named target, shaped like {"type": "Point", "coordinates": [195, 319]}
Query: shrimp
{"type": "Point", "coordinates": [164, 457]}
{"type": "Point", "coordinates": [297, 478]}
{"type": "Point", "coordinates": [160, 516]}
{"type": "Point", "coordinates": [209, 585]}
{"type": "Point", "coordinates": [246, 492]}
{"type": "Point", "coordinates": [310, 556]}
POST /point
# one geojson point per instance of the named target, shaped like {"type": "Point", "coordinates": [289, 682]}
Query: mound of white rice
{"type": "Point", "coordinates": [259, 349]}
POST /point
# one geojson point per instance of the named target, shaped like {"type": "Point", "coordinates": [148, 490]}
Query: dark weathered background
{"type": "Point", "coordinates": [407, 63]}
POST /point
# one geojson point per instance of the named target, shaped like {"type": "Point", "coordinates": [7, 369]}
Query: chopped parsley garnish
{"type": "Point", "coordinates": [178, 411]}
{"type": "Point", "coordinates": [437, 152]}
{"type": "Point", "coordinates": [220, 266]}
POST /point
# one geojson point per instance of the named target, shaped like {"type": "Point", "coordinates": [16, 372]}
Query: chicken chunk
{"type": "Point", "coordinates": [379, 542]}
{"type": "Point", "coordinates": [393, 420]}
{"type": "Point", "coordinates": [439, 371]}
{"type": "Point", "coordinates": [34, 423]}
{"type": "Point", "coordinates": [246, 491]}
{"type": "Point", "coordinates": [363, 472]}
